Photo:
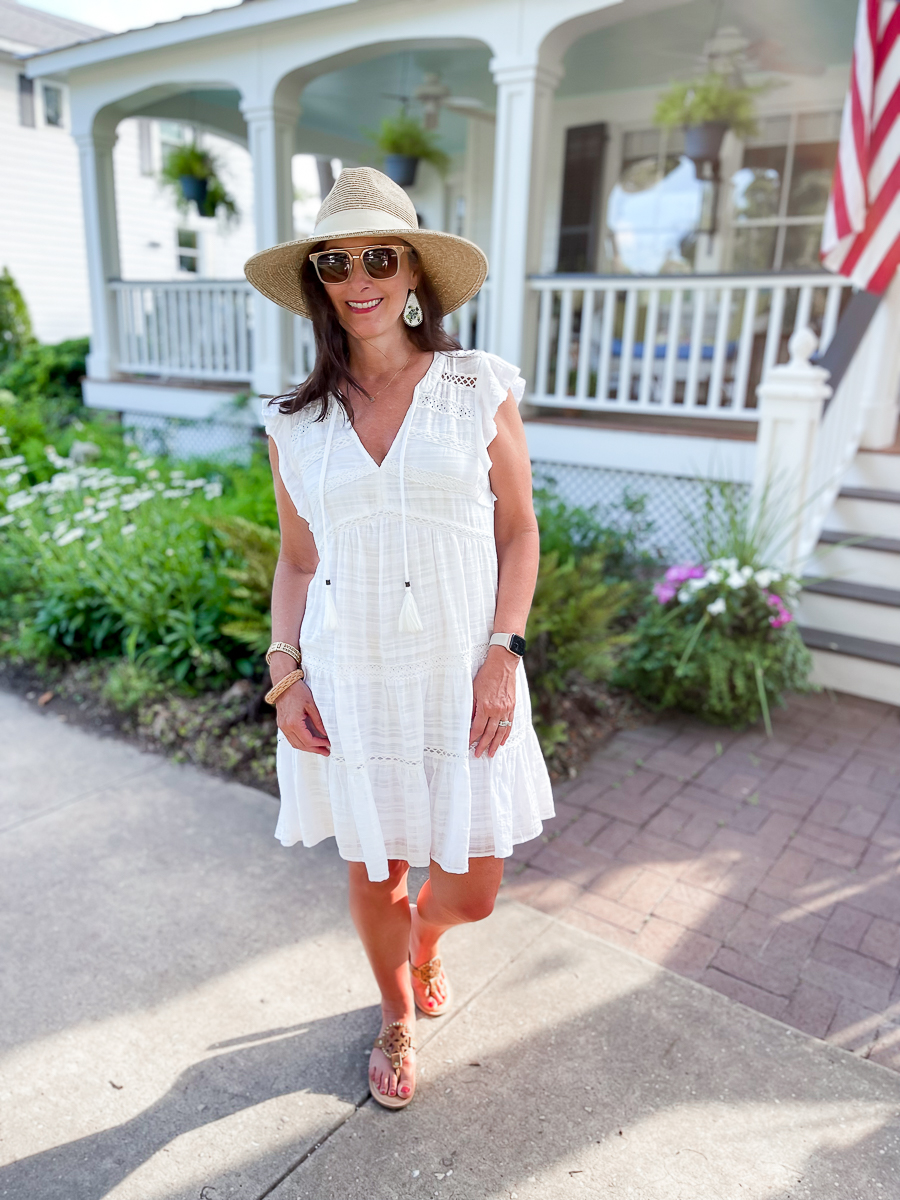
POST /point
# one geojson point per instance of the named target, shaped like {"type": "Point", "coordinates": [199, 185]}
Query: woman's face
{"type": "Point", "coordinates": [368, 307]}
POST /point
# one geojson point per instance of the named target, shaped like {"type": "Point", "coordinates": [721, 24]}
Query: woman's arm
{"type": "Point", "coordinates": [297, 562]}
{"type": "Point", "coordinates": [518, 553]}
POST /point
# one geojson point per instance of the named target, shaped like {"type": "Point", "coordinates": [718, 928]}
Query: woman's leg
{"type": "Point", "coordinates": [446, 900]}
{"type": "Point", "coordinates": [380, 912]}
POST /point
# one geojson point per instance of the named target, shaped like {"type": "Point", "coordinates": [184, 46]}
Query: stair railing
{"type": "Point", "coordinates": [814, 417]}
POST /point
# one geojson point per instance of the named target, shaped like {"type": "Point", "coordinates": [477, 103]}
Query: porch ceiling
{"type": "Point", "coordinates": [808, 35]}
{"type": "Point", "coordinates": [337, 108]}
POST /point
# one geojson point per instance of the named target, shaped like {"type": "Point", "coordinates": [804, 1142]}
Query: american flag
{"type": "Point", "coordinates": [861, 237]}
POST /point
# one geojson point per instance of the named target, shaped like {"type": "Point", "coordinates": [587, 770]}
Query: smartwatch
{"type": "Point", "coordinates": [509, 641]}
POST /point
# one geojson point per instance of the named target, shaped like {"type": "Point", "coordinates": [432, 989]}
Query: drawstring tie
{"type": "Point", "coordinates": [331, 617]}
{"type": "Point", "coordinates": [410, 621]}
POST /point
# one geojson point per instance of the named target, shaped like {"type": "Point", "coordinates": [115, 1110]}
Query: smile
{"type": "Point", "coordinates": [363, 305]}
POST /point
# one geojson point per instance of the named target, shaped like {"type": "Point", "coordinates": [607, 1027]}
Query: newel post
{"type": "Point", "coordinates": [792, 400]}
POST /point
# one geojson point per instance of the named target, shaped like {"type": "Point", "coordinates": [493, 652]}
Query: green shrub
{"type": "Point", "coordinates": [251, 583]}
{"type": "Point", "coordinates": [114, 564]}
{"type": "Point", "coordinates": [15, 323]}
{"type": "Point", "coordinates": [710, 98]}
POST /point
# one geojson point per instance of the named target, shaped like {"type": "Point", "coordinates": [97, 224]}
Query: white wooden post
{"type": "Point", "coordinates": [101, 232]}
{"type": "Point", "coordinates": [270, 130]}
{"type": "Point", "coordinates": [882, 372]}
{"type": "Point", "coordinates": [791, 402]}
{"type": "Point", "coordinates": [524, 98]}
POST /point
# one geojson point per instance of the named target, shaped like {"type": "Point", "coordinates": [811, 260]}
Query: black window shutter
{"type": "Point", "coordinates": [582, 192]}
{"type": "Point", "coordinates": [26, 101]}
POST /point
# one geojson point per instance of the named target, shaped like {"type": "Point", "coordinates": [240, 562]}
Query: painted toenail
{"type": "Point", "coordinates": [404, 1091]}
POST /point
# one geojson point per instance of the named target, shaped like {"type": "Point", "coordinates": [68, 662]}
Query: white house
{"type": "Point", "coordinates": [42, 227]}
{"type": "Point", "coordinates": [646, 296]}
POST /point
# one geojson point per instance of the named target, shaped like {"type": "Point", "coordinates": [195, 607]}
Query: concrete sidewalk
{"type": "Point", "coordinates": [187, 1014]}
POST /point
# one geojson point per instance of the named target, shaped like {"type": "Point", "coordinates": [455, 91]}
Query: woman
{"type": "Point", "coordinates": [409, 551]}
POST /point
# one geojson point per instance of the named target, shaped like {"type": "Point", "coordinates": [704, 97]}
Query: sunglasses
{"type": "Point", "coordinates": [336, 266]}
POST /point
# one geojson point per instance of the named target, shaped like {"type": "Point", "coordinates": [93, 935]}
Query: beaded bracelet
{"type": "Point", "coordinates": [282, 686]}
{"type": "Point", "coordinates": [285, 648]}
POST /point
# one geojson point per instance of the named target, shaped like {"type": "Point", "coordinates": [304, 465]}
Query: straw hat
{"type": "Point", "coordinates": [365, 203]}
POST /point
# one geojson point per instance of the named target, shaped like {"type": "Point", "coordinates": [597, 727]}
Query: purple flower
{"type": "Point", "coordinates": [684, 571]}
{"type": "Point", "coordinates": [664, 592]}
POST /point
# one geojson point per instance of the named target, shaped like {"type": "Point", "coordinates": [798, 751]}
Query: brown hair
{"type": "Point", "coordinates": [331, 374]}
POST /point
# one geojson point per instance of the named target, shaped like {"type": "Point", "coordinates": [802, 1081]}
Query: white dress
{"type": "Point", "coordinates": [401, 781]}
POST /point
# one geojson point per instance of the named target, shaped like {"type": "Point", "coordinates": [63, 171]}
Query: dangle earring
{"type": "Point", "coordinates": [412, 313]}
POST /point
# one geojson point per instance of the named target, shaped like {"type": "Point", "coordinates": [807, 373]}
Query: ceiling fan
{"type": "Point", "coordinates": [730, 52]}
{"type": "Point", "coordinates": [434, 95]}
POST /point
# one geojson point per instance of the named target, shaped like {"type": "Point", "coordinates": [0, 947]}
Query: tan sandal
{"type": "Point", "coordinates": [395, 1043]}
{"type": "Point", "coordinates": [426, 973]}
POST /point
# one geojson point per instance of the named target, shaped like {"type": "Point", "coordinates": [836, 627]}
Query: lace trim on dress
{"type": "Point", "coordinates": [450, 408]}
{"type": "Point", "coordinates": [423, 433]}
{"type": "Point", "coordinates": [350, 475]}
{"type": "Point", "coordinates": [468, 381]}
{"type": "Point", "coordinates": [408, 670]}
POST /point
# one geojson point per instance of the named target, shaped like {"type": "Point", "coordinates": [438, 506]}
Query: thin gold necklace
{"type": "Point", "coordinates": [375, 395]}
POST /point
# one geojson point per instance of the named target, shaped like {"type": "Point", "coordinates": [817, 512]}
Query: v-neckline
{"type": "Point", "coordinates": [406, 417]}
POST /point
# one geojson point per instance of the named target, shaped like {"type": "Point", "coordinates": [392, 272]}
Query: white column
{"type": "Point", "coordinates": [524, 98]}
{"type": "Point", "coordinates": [791, 402]}
{"type": "Point", "coordinates": [101, 232]}
{"type": "Point", "coordinates": [270, 130]}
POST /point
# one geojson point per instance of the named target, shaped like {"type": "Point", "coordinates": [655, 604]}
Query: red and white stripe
{"type": "Point", "coordinates": [861, 237]}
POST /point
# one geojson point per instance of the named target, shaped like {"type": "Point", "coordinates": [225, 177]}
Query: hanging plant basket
{"type": "Point", "coordinates": [401, 168]}
{"type": "Point", "coordinates": [194, 189]}
{"type": "Point", "coordinates": [703, 142]}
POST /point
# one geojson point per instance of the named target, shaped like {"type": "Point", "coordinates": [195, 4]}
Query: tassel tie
{"type": "Point", "coordinates": [410, 621]}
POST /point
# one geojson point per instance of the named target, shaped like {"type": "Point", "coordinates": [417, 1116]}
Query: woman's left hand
{"type": "Point", "coordinates": [494, 689]}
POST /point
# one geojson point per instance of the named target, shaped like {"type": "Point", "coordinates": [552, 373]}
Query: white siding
{"type": "Point", "coordinates": [41, 228]}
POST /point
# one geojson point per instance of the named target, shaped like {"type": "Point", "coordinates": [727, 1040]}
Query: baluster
{"type": "Point", "coordinates": [804, 305]}
{"type": "Point", "coordinates": [672, 339]}
{"type": "Point", "coordinates": [583, 380]}
{"type": "Point", "coordinates": [833, 295]}
{"type": "Point", "coordinates": [563, 341]}
{"type": "Point", "coordinates": [606, 336]}
{"type": "Point", "coordinates": [696, 347]}
{"type": "Point", "coordinates": [717, 376]}
{"type": "Point", "coordinates": [623, 392]}
{"type": "Point", "coordinates": [648, 359]}
{"type": "Point", "coordinates": [745, 350]}
{"type": "Point", "coordinates": [543, 355]}
{"type": "Point", "coordinates": [773, 333]}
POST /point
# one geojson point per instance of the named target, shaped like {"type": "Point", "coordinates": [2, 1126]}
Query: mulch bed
{"type": "Point", "coordinates": [232, 733]}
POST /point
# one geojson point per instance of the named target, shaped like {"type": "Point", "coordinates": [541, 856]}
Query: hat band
{"type": "Point", "coordinates": [351, 220]}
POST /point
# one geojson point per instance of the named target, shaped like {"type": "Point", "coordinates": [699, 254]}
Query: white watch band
{"type": "Point", "coordinates": [504, 640]}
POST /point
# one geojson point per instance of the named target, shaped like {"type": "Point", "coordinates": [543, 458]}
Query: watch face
{"type": "Point", "coordinates": [517, 644]}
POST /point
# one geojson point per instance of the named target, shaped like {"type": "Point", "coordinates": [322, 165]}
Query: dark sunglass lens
{"type": "Point", "coordinates": [381, 262]}
{"type": "Point", "coordinates": [335, 267]}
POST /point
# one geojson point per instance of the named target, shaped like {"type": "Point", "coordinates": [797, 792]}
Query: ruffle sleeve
{"type": "Point", "coordinates": [498, 378]}
{"type": "Point", "coordinates": [278, 426]}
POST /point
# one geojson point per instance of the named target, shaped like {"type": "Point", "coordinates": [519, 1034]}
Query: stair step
{"type": "Point", "coordinates": [847, 590]}
{"type": "Point", "coordinates": [856, 647]}
{"type": "Point", "coordinates": [871, 469]}
{"type": "Point", "coordinates": [882, 495]}
{"type": "Point", "coordinates": [857, 676]}
{"type": "Point", "coordinates": [885, 545]}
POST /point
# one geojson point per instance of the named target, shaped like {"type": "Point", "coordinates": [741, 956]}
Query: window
{"type": "Point", "coordinates": [580, 218]}
{"type": "Point", "coordinates": [172, 134]}
{"type": "Point", "coordinates": [778, 196]}
{"type": "Point", "coordinates": [188, 254]}
{"type": "Point", "coordinates": [26, 101]}
{"type": "Point", "coordinates": [53, 105]}
{"type": "Point", "coordinates": [655, 207]}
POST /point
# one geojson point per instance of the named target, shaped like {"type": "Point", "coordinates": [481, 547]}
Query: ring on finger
{"type": "Point", "coordinates": [501, 724]}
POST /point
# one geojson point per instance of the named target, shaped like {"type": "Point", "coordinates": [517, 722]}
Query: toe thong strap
{"type": "Point", "coordinates": [395, 1042]}
{"type": "Point", "coordinates": [428, 972]}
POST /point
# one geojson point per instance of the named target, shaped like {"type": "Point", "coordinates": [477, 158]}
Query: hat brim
{"type": "Point", "coordinates": [456, 267]}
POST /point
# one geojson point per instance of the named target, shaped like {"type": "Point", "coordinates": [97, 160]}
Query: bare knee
{"type": "Point", "coordinates": [362, 884]}
{"type": "Point", "coordinates": [476, 907]}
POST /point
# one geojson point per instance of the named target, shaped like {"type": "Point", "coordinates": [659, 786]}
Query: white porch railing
{"type": "Point", "coordinates": [808, 437]}
{"type": "Point", "coordinates": [690, 345]}
{"type": "Point", "coordinates": [194, 329]}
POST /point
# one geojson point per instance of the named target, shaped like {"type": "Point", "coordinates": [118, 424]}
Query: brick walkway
{"type": "Point", "coordinates": [766, 869]}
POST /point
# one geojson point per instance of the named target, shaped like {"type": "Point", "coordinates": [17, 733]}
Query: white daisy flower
{"type": "Point", "coordinates": [72, 536]}
{"type": "Point", "coordinates": [128, 530]}
{"type": "Point", "coordinates": [717, 607]}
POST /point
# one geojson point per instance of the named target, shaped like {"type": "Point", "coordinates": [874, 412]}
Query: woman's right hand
{"type": "Point", "coordinates": [299, 720]}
